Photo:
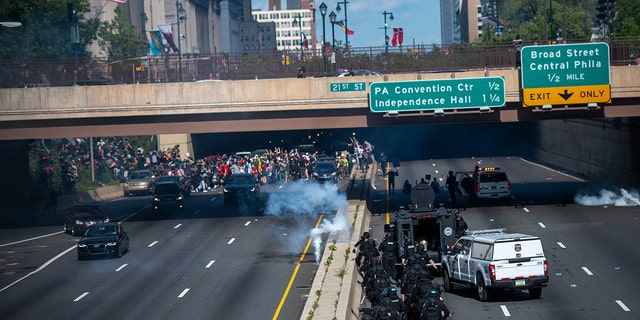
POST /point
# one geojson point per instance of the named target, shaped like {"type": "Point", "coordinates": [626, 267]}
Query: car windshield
{"type": "Point", "coordinates": [169, 178]}
{"type": "Point", "coordinates": [140, 175]}
{"type": "Point", "coordinates": [100, 231]}
{"type": "Point", "coordinates": [167, 188]}
{"type": "Point", "coordinates": [493, 177]}
{"type": "Point", "coordinates": [243, 179]}
{"type": "Point", "coordinates": [325, 166]}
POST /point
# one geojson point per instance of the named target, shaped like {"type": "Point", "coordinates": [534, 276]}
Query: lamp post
{"type": "Point", "coordinates": [180, 18]}
{"type": "Point", "coordinates": [386, 37]}
{"type": "Point", "coordinates": [323, 12]}
{"type": "Point", "coordinates": [332, 18]}
{"type": "Point", "coordinates": [298, 21]}
{"type": "Point", "coordinates": [346, 28]}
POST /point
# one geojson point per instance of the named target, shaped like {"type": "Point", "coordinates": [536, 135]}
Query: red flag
{"type": "Point", "coordinates": [119, 1]}
{"type": "Point", "coordinates": [400, 36]}
{"type": "Point", "coordinates": [394, 38]}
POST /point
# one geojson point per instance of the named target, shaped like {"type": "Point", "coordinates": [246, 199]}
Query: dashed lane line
{"type": "Point", "coordinates": [183, 293]}
{"type": "Point", "coordinates": [505, 311]}
{"type": "Point", "coordinates": [210, 264]}
{"type": "Point", "coordinates": [178, 226]}
{"type": "Point", "coordinates": [80, 297]}
{"type": "Point", "coordinates": [542, 225]}
{"type": "Point", "coordinates": [30, 239]}
{"type": "Point", "coordinates": [231, 241]}
{"type": "Point", "coordinates": [623, 306]}
{"type": "Point", "coordinates": [587, 271]}
{"type": "Point", "coordinates": [561, 245]}
{"type": "Point", "coordinates": [247, 223]}
{"type": "Point", "coordinates": [121, 267]}
{"type": "Point", "coordinates": [152, 244]}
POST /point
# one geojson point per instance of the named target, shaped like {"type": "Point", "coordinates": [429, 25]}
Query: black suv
{"type": "Point", "coordinates": [167, 195]}
{"type": "Point", "coordinates": [241, 186]}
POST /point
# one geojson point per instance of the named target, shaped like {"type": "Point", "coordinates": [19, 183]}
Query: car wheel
{"type": "Point", "coordinates": [447, 281]}
{"type": "Point", "coordinates": [535, 293]}
{"type": "Point", "coordinates": [483, 292]}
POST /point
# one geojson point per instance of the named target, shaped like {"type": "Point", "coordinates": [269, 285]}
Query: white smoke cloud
{"type": "Point", "coordinates": [302, 198]}
{"type": "Point", "coordinates": [620, 198]}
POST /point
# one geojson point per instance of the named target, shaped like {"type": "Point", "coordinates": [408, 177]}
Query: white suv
{"type": "Point", "coordinates": [492, 260]}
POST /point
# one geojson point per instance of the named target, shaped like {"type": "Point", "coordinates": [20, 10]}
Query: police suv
{"type": "Point", "coordinates": [492, 260]}
{"type": "Point", "coordinates": [484, 183]}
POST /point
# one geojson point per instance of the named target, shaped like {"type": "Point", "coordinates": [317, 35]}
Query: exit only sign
{"type": "Point", "coordinates": [566, 74]}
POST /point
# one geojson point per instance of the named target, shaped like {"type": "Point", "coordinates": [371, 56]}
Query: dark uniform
{"type": "Point", "coordinates": [389, 252]}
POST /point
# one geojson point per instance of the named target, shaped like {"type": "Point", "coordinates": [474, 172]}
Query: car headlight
{"type": "Point", "coordinates": [253, 189]}
{"type": "Point", "coordinates": [179, 198]}
{"type": "Point", "coordinates": [333, 173]}
{"type": "Point", "coordinates": [111, 244]}
{"type": "Point", "coordinates": [225, 190]}
{"type": "Point", "coordinates": [106, 220]}
{"type": "Point", "coordinates": [81, 245]}
{"type": "Point", "coordinates": [315, 174]}
{"type": "Point", "coordinates": [156, 199]}
{"type": "Point", "coordinates": [79, 222]}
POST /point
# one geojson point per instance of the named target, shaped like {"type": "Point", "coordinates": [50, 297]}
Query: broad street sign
{"type": "Point", "coordinates": [436, 94]}
{"type": "Point", "coordinates": [347, 86]}
{"type": "Point", "coordinates": [566, 74]}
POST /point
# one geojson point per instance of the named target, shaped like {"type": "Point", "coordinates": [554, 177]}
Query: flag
{"type": "Point", "coordinates": [167, 33]}
{"type": "Point", "coordinates": [157, 47]}
{"type": "Point", "coordinates": [305, 43]}
{"type": "Point", "coordinates": [397, 36]}
{"type": "Point", "coordinates": [491, 20]}
{"type": "Point", "coordinates": [119, 1]}
{"type": "Point", "coordinates": [341, 25]}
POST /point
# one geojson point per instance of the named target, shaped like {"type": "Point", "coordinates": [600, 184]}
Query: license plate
{"type": "Point", "coordinates": [520, 283]}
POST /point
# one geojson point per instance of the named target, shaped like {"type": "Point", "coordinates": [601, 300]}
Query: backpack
{"type": "Point", "coordinates": [431, 307]}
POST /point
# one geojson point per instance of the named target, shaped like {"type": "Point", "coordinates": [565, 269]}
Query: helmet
{"type": "Point", "coordinates": [366, 235]}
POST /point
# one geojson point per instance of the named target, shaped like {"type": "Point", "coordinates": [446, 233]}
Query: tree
{"type": "Point", "coordinates": [45, 30]}
{"type": "Point", "coordinates": [119, 38]}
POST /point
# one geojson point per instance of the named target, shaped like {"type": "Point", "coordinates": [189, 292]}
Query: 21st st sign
{"type": "Point", "coordinates": [566, 74]}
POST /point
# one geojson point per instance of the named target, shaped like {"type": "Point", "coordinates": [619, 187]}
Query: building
{"type": "Point", "coordinates": [292, 28]}
{"type": "Point", "coordinates": [460, 20]}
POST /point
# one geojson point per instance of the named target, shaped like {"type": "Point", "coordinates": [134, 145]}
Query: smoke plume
{"type": "Point", "coordinates": [620, 198]}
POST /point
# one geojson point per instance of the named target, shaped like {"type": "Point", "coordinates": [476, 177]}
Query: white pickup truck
{"type": "Point", "coordinates": [492, 260]}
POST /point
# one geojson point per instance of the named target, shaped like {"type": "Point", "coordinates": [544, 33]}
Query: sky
{"type": "Point", "coordinates": [420, 20]}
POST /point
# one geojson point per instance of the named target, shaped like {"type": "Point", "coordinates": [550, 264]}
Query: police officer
{"type": "Point", "coordinates": [389, 251]}
{"type": "Point", "coordinates": [461, 226]}
{"type": "Point", "coordinates": [451, 186]}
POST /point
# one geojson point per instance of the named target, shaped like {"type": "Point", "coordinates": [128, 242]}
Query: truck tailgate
{"type": "Point", "coordinates": [519, 270]}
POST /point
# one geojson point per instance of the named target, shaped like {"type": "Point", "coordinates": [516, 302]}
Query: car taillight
{"type": "Point", "coordinates": [492, 272]}
{"type": "Point", "coordinates": [509, 185]}
{"type": "Point", "coordinates": [546, 268]}
{"type": "Point", "coordinates": [477, 187]}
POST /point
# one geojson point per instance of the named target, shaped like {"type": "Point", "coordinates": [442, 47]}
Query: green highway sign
{"type": "Point", "coordinates": [347, 86]}
{"type": "Point", "coordinates": [565, 74]}
{"type": "Point", "coordinates": [436, 94]}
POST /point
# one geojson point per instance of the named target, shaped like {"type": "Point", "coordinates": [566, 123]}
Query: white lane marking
{"type": "Point", "coordinates": [505, 310]}
{"type": "Point", "coordinates": [152, 244]}
{"type": "Point", "coordinates": [622, 305]}
{"type": "Point", "coordinates": [184, 292]}
{"type": "Point", "coordinates": [231, 241]}
{"type": "Point", "coordinates": [556, 171]}
{"type": "Point", "coordinates": [121, 267]}
{"type": "Point", "coordinates": [80, 297]}
{"type": "Point", "coordinates": [178, 226]}
{"type": "Point", "coordinates": [30, 239]}
{"type": "Point", "coordinates": [587, 271]}
{"type": "Point", "coordinates": [247, 223]}
{"type": "Point", "coordinates": [40, 268]}
{"type": "Point", "coordinates": [525, 210]}
{"type": "Point", "coordinates": [210, 264]}
{"type": "Point", "coordinates": [541, 225]}
{"type": "Point", "coordinates": [561, 245]}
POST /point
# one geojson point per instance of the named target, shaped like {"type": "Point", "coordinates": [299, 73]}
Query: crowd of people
{"type": "Point", "coordinates": [115, 158]}
{"type": "Point", "coordinates": [409, 294]}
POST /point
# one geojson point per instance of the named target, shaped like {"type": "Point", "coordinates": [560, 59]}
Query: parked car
{"type": "Point", "coordinates": [102, 240]}
{"type": "Point", "coordinates": [359, 73]}
{"type": "Point", "coordinates": [80, 217]}
{"type": "Point", "coordinates": [167, 195]}
{"type": "Point", "coordinates": [241, 187]}
{"type": "Point", "coordinates": [138, 182]}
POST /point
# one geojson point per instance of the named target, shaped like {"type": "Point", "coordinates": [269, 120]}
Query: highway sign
{"type": "Point", "coordinates": [566, 74]}
{"type": "Point", "coordinates": [436, 94]}
{"type": "Point", "coordinates": [347, 86]}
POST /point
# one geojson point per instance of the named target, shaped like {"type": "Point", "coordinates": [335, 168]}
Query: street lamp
{"type": "Point", "coordinates": [298, 21]}
{"type": "Point", "coordinates": [180, 18]}
{"type": "Point", "coordinates": [332, 18]}
{"type": "Point", "coordinates": [346, 28]}
{"type": "Point", "coordinates": [386, 37]}
{"type": "Point", "coordinates": [323, 12]}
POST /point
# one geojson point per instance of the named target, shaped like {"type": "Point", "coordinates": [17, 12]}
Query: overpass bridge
{"type": "Point", "coordinates": [269, 104]}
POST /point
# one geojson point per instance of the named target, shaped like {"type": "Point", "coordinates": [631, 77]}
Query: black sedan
{"type": "Point", "coordinates": [108, 239]}
{"type": "Point", "coordinates": [80, 217]}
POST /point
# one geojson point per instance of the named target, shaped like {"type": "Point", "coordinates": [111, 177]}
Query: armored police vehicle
{"type": "Point", "coordinates": [493, 260]}
{"type": "Point", "coordinates": [423, 223]}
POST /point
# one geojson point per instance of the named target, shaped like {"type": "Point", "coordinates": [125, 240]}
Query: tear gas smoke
{"type": "Point", "coordinates": [302, 198]}
{"type": "Point", "coordinates": [621, 198]}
